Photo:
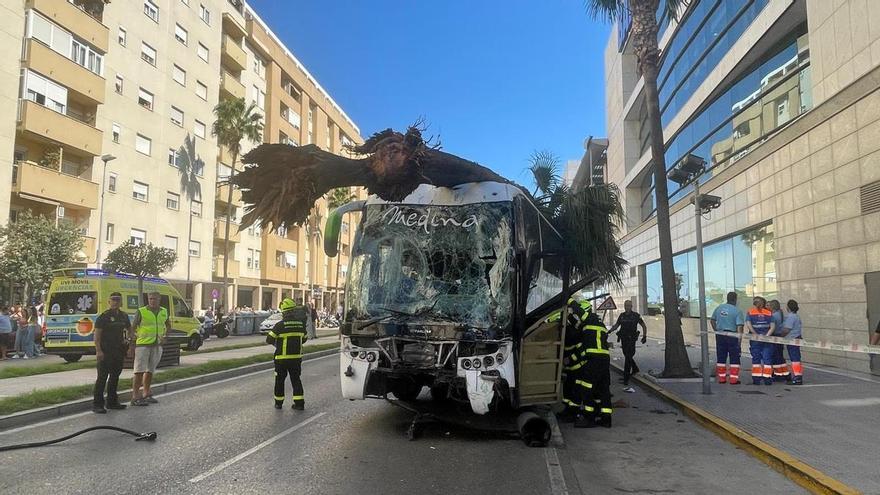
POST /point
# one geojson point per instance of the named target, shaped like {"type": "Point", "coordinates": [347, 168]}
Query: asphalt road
{"type": "Point", "coordinates": [227, 438]}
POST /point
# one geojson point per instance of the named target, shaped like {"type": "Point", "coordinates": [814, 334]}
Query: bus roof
{"type": "Point", "coordinates": [95, 273]}
{"type": "Point", "coordinates": [462, 194]}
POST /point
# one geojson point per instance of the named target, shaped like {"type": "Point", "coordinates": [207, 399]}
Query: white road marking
{"type": "Point", "coordinates": [86, 413]}
{"type": "Point", "coordinates": [250, 451]}
{"type": "Point", "coordinates": [838, 373]}
{"type": "Point", "coordinates": [867, 401]}
{"type": "Point", "coordinates": [557, 480]}
{"type": "Point", "coordinates": [820, 385]}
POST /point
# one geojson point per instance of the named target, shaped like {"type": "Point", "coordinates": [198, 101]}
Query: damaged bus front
{"type": "Point", "coordinates": [450, 289]}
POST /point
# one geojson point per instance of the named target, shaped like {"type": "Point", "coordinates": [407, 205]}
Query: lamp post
{"type": "Point", "coordinates": [104, 158]}
{"type": "Point", "coordinates": [689, 170]}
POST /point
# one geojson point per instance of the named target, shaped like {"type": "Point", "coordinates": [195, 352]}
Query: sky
{"type": "Point", "coordinates": [495, 81]}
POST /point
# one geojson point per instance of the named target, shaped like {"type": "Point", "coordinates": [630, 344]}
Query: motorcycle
{"type": "Point", "coordinates": [219, 328]}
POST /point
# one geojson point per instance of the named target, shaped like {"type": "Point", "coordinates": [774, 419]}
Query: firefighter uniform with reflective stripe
{"type": "Point", "coordinates": [574, 387]}
{"type": "Point", "coordinates": [596, 372]}
{"type": "Point", "coordinates": [288, 336]}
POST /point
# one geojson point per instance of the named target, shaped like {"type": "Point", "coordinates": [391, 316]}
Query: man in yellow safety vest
{"type": "Point", "coordinates": [150, 329]}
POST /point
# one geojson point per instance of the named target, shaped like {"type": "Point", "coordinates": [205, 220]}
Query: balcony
{"type": "Point", "coordinates": [74, 20]}
{"type": "Point", "coordinates": [33, 180]}
{"type": "Point", "coordinates": [77, 78]}
{"type": "Point", "coordinates": [43, 124]}
{"type": "Point", "coordinates": [231, 25]}
{"type": "Point", "coordinates": [222, 195]}
{"type": "Point", "coordinates": [233, 267]}
{"type": "Point", "coordinates": [232, 54]}
{"type": "Point", "coordinates": [230, 87]}
{"type": "Point", "coordinates": [220, 231]}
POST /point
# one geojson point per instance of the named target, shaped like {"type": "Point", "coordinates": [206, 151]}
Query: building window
{"type": "Point", "coordinates": [203, 52]}
{"type": "Point", "coordinates": [172, 157]}
{"type": "Point", "coordinates": [111, 182]}
{"type": "Point", "coordinates": [201, 90]}
{"type": "Point", "coordinates": [196, 208]}
{"type": "Point", "coordinates": [181, 34]}
{"type": "Point", "coordinates": [257, 259]}
{"type": "Point", "coordinates": [122, 37]}
{"type": "Point", "coordinates": [259, 67]}
{"type": "Point", "coordinates": [145, 99]}
{"type": "Point", "coordinates": [179, 75]}
{"type": "Point", "coordinates": [119, 83]}
{"type": "Point", "coordinates": [260, 97]}
{"type": "Point", "coordinates": [62, 42]}
{"type": "Point", "coordinates": [205, 14]}
{"type": "Point", "coordinates": [195, 249]}
{"type": "Point", "coordinates": [171, 243]}
{"type": "Point", "coordinates": [177, 116]}
{"type": "Point", "coordinates": [250, 259]}
{"type": "Point", "coordinates": [87, 57]}
{"type": "Point", "coordinates": [151, 10]}
{"type": "Point", "coordinates": [137, 236]}
{"type": "Point", "coordinates": [172, 202]}
{"type": "Point", "coordinates": [108, 234]}
{"type": "Point", "coordinates": [140, 191]}
{"type": "Point", "coordinates": [199, 130]}
{"type": "Point", "coordinates": [148, 54]}
{"type": "Point", "coordinates": [45, 92]}
{"type": "Point", "coordinates": [143, 144]}
{"type": "Point", "coordinates": [116, 130]}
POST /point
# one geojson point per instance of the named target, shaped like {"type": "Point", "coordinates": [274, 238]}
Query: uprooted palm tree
{"type": "Point", "coordinates": [587, 218]}
{"type": "Point", "coordinates": [643, 40]}
{"type": "Point", "coordinates": [236, 122]}
{"type": "Point", "coordinates": [287, 181]}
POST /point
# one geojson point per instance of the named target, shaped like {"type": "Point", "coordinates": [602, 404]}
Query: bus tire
{"type": "Point", "coordinates": [71, 358]}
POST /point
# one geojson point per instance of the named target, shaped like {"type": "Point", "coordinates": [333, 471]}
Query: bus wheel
{"type": "Point", "coordinates": [195, 341]}
{"type": "Point", "coordinates": [72, 358]}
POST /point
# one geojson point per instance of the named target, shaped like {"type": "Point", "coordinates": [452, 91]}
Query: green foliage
{"type": "Point", "coordinates": [141, 260]}
{"type": "Point", "coordinates": [33, 246]}
{"type": "Point", "coordinates": [339, 196]}
{"type": "Point", "coordinates": [588, 218]}
{"type": "Point", "coordinates": [613, 10]}
{"type": "Point", "coordinates": [236, 121]}
{"type": "Point", "coordinates": [51, 159]}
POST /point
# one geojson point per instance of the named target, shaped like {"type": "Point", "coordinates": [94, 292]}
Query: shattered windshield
{"type": "Point", "coordinates": [448, 263]}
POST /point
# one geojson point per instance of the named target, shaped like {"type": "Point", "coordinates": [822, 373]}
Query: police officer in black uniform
{"type": "Point", "coordinates": [111, 344]}
{"type": "Point", "coordinates": [628, 323]}
{"type": "Point", "coordinates": [288, 336]}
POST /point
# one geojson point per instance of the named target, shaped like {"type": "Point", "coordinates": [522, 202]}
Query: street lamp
{"type": "Point", "coordinates": [689, 170]}
{"type": "Point", "coordinates": [104, 158]}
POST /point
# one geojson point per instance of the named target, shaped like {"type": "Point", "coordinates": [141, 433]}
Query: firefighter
{"type": "Point", "coordinates": [595, 371]}
{"type": "Point", "coordinates": [573, 359]}
{"type": "Point", "coordinates": [288, 336]}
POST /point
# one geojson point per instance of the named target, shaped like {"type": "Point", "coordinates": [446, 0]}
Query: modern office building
{"type": "Point", "coordinates": [781, 100]}
{"type": "Point", "coordinates": [110, 109]}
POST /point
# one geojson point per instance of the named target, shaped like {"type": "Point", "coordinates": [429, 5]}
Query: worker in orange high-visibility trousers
{"type": "Point", "coordinates": [759, 321]}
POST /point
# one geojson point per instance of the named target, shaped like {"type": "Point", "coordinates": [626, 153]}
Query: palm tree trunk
{"type": "Point", "coordinates": [226, 234]}
{"type": "Point", "coordinates": [644, 30]}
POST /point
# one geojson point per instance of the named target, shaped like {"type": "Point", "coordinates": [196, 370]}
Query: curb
{"type": "Point", "coordinates": [24, 418]}
{"type": "Point", "coordinates": [791, 467]}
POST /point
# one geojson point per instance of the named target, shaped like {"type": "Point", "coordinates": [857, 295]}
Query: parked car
{"type": "Point", "coordinates": [269, 322]}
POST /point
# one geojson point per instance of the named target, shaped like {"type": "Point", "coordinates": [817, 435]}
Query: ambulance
{"type": "Point", "coordinates": [78, 296]}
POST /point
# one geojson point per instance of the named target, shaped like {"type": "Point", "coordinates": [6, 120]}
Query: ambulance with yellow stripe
{"type": "Point", "coordinates": [78, 296]}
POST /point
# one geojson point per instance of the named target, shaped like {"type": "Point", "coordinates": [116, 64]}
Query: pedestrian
{"type": "Point", "coordinates": [312, 324]}
{"type": "Point", "coordinates": [111, 344]}
{"type": "Point", "coordinates": [628, 323]}
{"type": "Point", "coordinates": [727, 319]}
{"type": "Point", "coordinates": [7, 337]}
{"type": "Point", "coordinates": [288, 337]}
{"type": "Point", "coordinates": [792, 329]}
{"type": "Point", "coordinates": [151, 327]}
{"type": "Point", "coordinates": [596, 371]}
{"type": "Point", "coordinates": [759, 321]}
{"type": "Point", "coordinates": [780, 366]}
{"type": "Point", "coordinates": [32, 334]}
{"type": "Point", "coordinates": [19, 320]}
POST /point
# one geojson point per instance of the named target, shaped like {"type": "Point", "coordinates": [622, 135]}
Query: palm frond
{"type": "Point", "coordinates": [544, 166]}
{"type": "Point", "coordinates": [236, 121]}
{"type": "Point", "coordinates": [610, 10]}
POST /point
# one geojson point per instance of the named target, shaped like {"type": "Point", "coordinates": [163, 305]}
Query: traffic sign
{"type": "Point", "coordinates": [215, 294]}
{"type": "Point", "coordinates": [607, 304]}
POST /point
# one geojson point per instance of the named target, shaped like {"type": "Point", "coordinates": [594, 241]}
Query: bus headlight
{"type": "Point", "coordinates": [488, 361]}
{"type": "Point", "coordinates": [477, 364]}
{"type": "Point", "coordinates": [371, 357]}
{"type": "Point", "coordinates": [499, 358]}
{"type": "Point", "coordinates": [362, 355]}
{"type": "Point", "coordinates": [466, 364]}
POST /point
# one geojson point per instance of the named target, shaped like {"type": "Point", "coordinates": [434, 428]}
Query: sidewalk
{"type": "Point", "coordinates": [21, 385]}
{"type": "Point", "coordinates": [830, 423]}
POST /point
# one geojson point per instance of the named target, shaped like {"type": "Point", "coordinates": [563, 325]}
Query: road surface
{"type": "Point", "coordinates": [226, 438]}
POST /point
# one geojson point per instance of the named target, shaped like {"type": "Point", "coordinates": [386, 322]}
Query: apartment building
{"type": "Point", "coordinates": [781, 101]}
{"type": "Point", "coordinates": [109, 129]}
{"type": "Point", "coordinates": [268, 266]}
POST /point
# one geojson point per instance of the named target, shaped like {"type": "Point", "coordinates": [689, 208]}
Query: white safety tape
{"type": "Point", "coordinates": [814, 344]}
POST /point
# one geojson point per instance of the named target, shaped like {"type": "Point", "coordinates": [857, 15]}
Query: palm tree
{"type": "Point", "coordinates": [588, 218]}
{"type": "Point", "coordinates": [236, 121]}
{"type": "Point", "coordinates": [643, 39]}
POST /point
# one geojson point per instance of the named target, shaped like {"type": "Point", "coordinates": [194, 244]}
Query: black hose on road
{"type": "Point", "coordinates": [138, 436]}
